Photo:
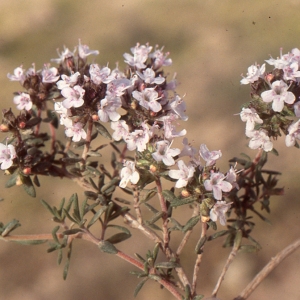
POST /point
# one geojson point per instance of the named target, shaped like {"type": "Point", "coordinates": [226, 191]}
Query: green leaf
{"type": "Point", "coordinates": [167, 265]}
{"type": "Point", "coordinates": [151, 208]}
{"type": "Point", "coordinates": [248, 249]}
{"type": "Point", "coordinates": [107, 247]}
{"type": "Point", "coordinates": [198, 297]}
{"type": "Point", "coordinates": [30, 243]}
{"type": "Point", "coordinates": [96, 216]}
{"type": "Point", "coordinates": [139, 286]}
{"type": "Point", "coordinates": [93, 170]}
{"type": "Point", "coordinates": [140, 258]}
{"type": "Point", "coordinates": [54, 231]}
{"type": "Point", "coordinates": [102, 130]}
{"type": "Point", "coordinates": [48, 206]}
{"type": "Point", "coordinates": [155, 218]}
{"type": "Point", "coordinates": [28, 185]}
{"type": "Point", "coordinates": [118, 237]}
{"type": "Point", "coordinates": [191, 223]}
{"type": "Point", "coordinates": [10, 227]}
{"type": "Point", "coordinates": [155, 251]}
{"type": "Point", "coordinates": [124, 201]}
{"type": "Point", "coordinates": [67, 265]}
{"type": "Point", "coordinates": [123, 229]}
{"type": "Point", "coordinates": [12, 180]}
{"type": "Point", "coordinates": [217, 234]}
{"type": "Point", "coordinates": [72, 231]}
{"type": "Point", "coordinates": [200, 244]}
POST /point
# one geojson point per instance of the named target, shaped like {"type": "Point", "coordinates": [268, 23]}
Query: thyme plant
{"type": "Point", "coordinates": [134, 114]}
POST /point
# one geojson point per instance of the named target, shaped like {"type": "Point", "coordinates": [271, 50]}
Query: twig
{"type": "Point", "coordinates": [230, 259]}
{"type": "Point", "coordinates": [198, 261]}
{"type": "Point", "coordinates": [274, 262]}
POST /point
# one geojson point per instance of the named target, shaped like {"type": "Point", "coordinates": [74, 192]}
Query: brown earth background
{"type": "Point", "coordinates": [211, 44]}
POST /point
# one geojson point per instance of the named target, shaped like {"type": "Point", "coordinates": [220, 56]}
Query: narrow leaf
{"type": "Point", "coordinates": [107, 247]}
{"type": "Point", "coordinates": [139, 286]}
{"type": "Point", "coordinates": [118, 237]}
{"type": "Point", "coordinates": [166, 265]}
{"type": "Point", "coordinates": [191, 223]}
{"type": "Point", "coordinates": [102, 130]}
{"type": "Point", "coordinates": [30, 243]}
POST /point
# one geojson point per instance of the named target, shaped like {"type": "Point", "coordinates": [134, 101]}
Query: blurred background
{"type": "Point", "coordinates": [211, 44]}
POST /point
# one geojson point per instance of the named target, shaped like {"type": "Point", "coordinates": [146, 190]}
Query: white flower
{"type": "Point", "coordinates": [67, 81]}
{"type": "Point", "coordinates": [183, 174]}
{"type": "Point", "coordinates": [178, 106]}
{"type": "Point", "coordinates": [64, 55]}
{"type": "Point", "coordinates": [84, 51]}
{"type": "Point", "coordinates": [18, 75]}
{"type": "Point", "coordinates": [100, 75]}
{"type": "Point", "coordinates": [138, 139]}
{"type": "Point", "coordinates": [49, 74]}
{"type": "Point", "coordinates": [140, 55]}
{"type": "Point", "coordinates": [128, 173]}
{"type": "Point", "coordinates": [254, 72]}
{"type": "Point", "coordinates": [160, 59]}
{"type": "Point", "coordinates": [148, 99]}
{"type": "Point", "coordinates": [121, 130]}
{"type": "Point", "coordinates": [294, 133]}
{"type": "Point", "coordinates": [250, 116]}
{"type": "Point", "coordinates": [278, 94]}
{"type": "Point", "coordinates": [165, 153]}
{"type": "Point", "coordinates": [209, 156]}
{"type": "Point", "coordinates": [74, 96]}
{"type": "Point", "coordinates": [259, 139]}
{"type": "Point", "coordinates": [217, 184]}
{"type": "Point", "coordinates": [290, 72]}
{"type": "Point", "coordinates": [108, 109]}
{"type": "Point", "coordinates": [281, 62]}
{"type": "Point", "coordinates": [23, 101]}
{"type": "Point", "coordinates": [149, 77]}
{"type": "Point", "coordinates": [76, 131]}
{"type": "Point", "coordinates": [187, 149]}
{"type": "Point", "coordinates": [219, 212]}
{"type": "Point", "coordinates": [7, 154]}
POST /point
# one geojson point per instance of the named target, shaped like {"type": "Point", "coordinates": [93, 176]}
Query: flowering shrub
{"type": "Point", "coordinates": [136, 112]}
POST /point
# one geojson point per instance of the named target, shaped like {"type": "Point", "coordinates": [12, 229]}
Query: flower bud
{"type": "Point", "coordinates": [205, 219]}
{"type": "Point", "coordinates": [27, 171]}
{"type": "Point", "coordinates": [19, 181]}
{"type": "Point", "coordinates": [185, 193]}
{"type": "Point", "coordinates": [22, 125]}
{"type": "Point", "coordinates": [95, 118]}
{"type": "Point", "coordinates": [152, 168]}
{"type": "Point", "coordinates": [269, 77]}
{"type": "Point", "coordinates": [3, 128]}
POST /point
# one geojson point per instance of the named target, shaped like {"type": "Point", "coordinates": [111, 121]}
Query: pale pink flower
{"type": "Point", "coordinates": [294, 133]}
{"type": "Point", "coordinates": [219, 212]}
{"type": "Point", "coordinates": [278, 95]}
{"type": "Point", "coordinates": [148, 76]}
{"type": "Point", "coordinates": [209, 156]}
{"type": "Point", "coordinates": [64, 55]}
{"type": "Point", "coordinates": [184, 174]}
{"type": "Point", "coordinates": [67, 81]}
{"type": "Point", "coordinates": [217, 184]}
{"type": "Point", "coordinates": [76, 131]}
{"type": "Point", "coordinates": [254, 72]}
{"type": "Point", "coordinates": [164, 153]}
{"type": "Point", "coordinates": [84, 51]}
{"type": "Point", "coordinates": [148, 99]}
{"type": "Point", "coordinates": [259, 139]}
{"type": "Point", "coordinates": [140, 55]}
{"type": "Point", "coordinates": [7, 154]}
{"type": "Point", "coordinates": [18, 75]}
{"type": "Point", "coordinates": [250, 116]}
{"type": "Point", "coordinates": [121, 130]}
{"type": "Point", "coordinates": [49, 75]}
{"type": "Point", "coordinates": [74, 96]}
{"type": "Point", "coordinates": [108, 109]}
{"type": "Point", "coordinates": [23, 101]}
{"type": "Point", "coordinates": [128, 173]}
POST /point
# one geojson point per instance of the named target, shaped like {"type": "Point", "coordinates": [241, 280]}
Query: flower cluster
{"type": "Point", "coordinates": [141, 106]}
{"type": "Point", "coordinates": [275, 97]}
